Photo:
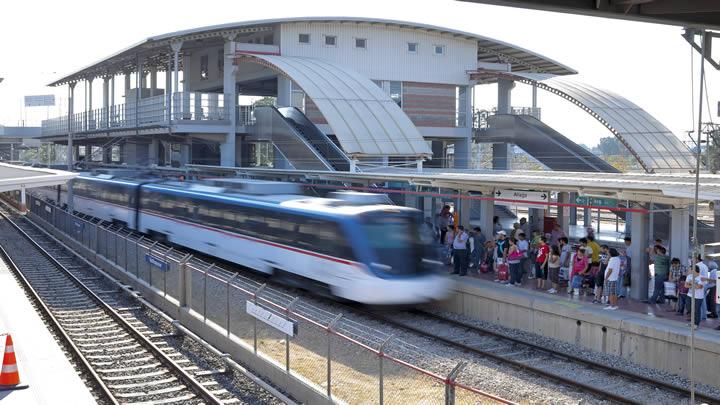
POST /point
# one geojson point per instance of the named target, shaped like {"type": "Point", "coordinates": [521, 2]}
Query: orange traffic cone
{"type": "Point", "coordinates": [9, 377]}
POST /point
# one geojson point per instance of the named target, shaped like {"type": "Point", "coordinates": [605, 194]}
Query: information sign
{"type": "Point", "coordinates": [597, 201]}
{"type": "Point", "coordinates": [532, 199]}
{"type": "Point", "coordinates": [157, 262]}
{"type": "Point", "coordinates": [286, 326]}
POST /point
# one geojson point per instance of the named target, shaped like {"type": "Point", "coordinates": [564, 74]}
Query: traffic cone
{"type": "Point", "coordinates": [9, 376]}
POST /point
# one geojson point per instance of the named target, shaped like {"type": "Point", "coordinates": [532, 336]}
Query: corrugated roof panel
{"type": "Point", "coordinates": [365, 120]}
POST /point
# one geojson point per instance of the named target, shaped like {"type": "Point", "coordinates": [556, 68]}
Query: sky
{"type": "Point", "coordinates": [647, 63]}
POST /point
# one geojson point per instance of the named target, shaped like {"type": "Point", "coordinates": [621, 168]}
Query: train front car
{"type": "Point", "coordinates": [397, 268]}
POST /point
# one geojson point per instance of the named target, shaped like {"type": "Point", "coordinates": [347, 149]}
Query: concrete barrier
{"type": "Point", "coordinates": [658, 343]}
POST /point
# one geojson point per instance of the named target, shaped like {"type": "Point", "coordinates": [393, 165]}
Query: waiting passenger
{"type": "Point", "coordinates": [554, 265]}
{"type": "Point", "coordinates": [601, 297]}
{"type": "Point", "coordinates": [683, 305]}
{"type": "Point", "coordinates": [524, 248]}
{"type": "Point", "coordinates": [541, 263]}
{"type": "Point", "coordinates": [443, 222]}
{"type": "Point", "coordinates": [460, 252]}
{"type": "Point", "coordinates": [612, 271]}
{"type": "Point", "coordinates": [501, 248]}
{"type": "Point", "coordinates": [579, 270]}
{"type": "Point", "coordinates": [710, 298]}
{"type": "Point", "coordinates": [514, 232]}
{"type": "Point", "coordinates": [513, 259]}
{"type": "Point", "coordinates": [662, 270]}
{"type": "Point", "coordinates": [478, 250]}
{"type": "Point", "coordinates": [695, 284]}
{"type": "Point", "coordinates": [556, 234]}
{"type": "Point", "coordinates": [497, 226]}
{"type": "Point", "coordinates": [565, 256]}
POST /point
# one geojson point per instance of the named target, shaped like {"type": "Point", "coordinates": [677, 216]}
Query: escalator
{"type": "Point", "coordinates": [322, 144]}
{"type": "Point", "coordinates": [543, 143]}
{"type": "Point", "coordinates": [289, 142]}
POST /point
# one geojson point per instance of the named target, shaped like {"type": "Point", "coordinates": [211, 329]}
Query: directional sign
{"type": "Point", "coordinates": [532, 199]}
{"type": "Point", "coordinates": [287, 326]}
{"type": "Point", "coordinates": [597, 201]}
{"type": "Point", "coordinates": [45, 100]}
{"type": "Point", "coordinates": [157, 262]}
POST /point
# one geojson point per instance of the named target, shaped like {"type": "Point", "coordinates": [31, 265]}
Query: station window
{"type": "Point", "coordinates": [360, 43]}
{"type": "Point", "coordinates": [304, 38]}
{"type": "Point", "coordinates": [396, 92]}
{"type": "Point", "coordinates": [330, 40]}
{"type": "Point", "coordinates": [204, 71]}
{"type": "Point", "coordinates": [268, 39]}
{"type": "Point", "coordinates": [439, 49]}
{"type": "Point", "coordinates": [412, 47]}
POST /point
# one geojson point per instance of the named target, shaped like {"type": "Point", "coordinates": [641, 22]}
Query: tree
{"type": "Point", "coordinates": [264, 101]}
{"type": "Point", "coordinates": [611, 146]}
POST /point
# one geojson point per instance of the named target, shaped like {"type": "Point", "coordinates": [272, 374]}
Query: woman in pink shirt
{"type": "Point", "coordinates": [579, 269]}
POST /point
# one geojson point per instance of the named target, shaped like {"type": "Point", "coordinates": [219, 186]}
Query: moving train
{"type": "Point", "coordinates": [355, 246]}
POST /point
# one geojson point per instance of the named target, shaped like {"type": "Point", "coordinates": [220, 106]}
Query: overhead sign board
{"type": "Point", "coordinates": [286, 326]}
{"type": "Point", "coordinates": [596, 201]}
{"type": "Point", "coordinates": [45, 100]}
{"type": "Point", "coordinates": [532, 199]}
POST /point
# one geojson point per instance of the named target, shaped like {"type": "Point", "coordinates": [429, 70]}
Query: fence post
{"type": "Point", "coordinates": [165, 272]}
{"type": "Point", "coordinates": [184, 284]}
{"type": "Point", "coordinates": [381, 357]}
{"type": "Point", "coordinates": [227, 301]}
{"type": "Point", "coordinates": [450, 383]}
{"type": "Point", "coordinates": [138, 245]}
{"type": "Point", "coordinates": [115, 235]}
{"type": "Point", "coordinates": [330, 326]}
{"type": "Point", "coordinates": [150, 268]}
{"type": "Point", "coordinates": [96, 239]}
{"type": "Point", "coordinates": [288, 309]}
{"type": "Point", "coordinates": [255, 297]}
{"type": "Point", "coordinates": [205, 274]}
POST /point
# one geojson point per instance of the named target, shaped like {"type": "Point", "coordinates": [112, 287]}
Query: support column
{"type": "Point", "coordinates": [139, 81]}
{"type": "Point", "coordinates": [462, 153]}
{"type": "Point", "coordinates": [106, 102]}
{"type": "Point", "coordinates": [185, 154]}
{"type": "Point", "coordinates": [716, 215]}
{"type": "Point", "coordinates": [284, 92]}
{"type": "Point", "coordinates": [23, 204]}
{"type": "Point", "coordinates": [465, 211]}
{"type": "Point", "coordinates": [176, 46]}
{"type": "Point", "coordinates": [153, 81]}
{"type": "Point", "coordinates": [680, 234]}
{"type": "Point", "coordinates": [572, 212]}
{"type": "Point", "coordinates": [153, 150]}
{"type": "Point", "coordinates": [227, 148]}
{"type": "Point", "coordinates": [71, 129]}
{"type": "Point", "coordinates": [639, 276]}
{"type": "Point", "coordinates": [534, 99]}
{"type": "Point", "coordinates": [587, 217]}
{"type": "Point", "coordinates": [168, 90]}
{"type": "Point", "coordinates": [502, 152]}
{"type": "Point", "coordinates": [487, 211]}
{"type": "Point", "coordinates": [564, 212]}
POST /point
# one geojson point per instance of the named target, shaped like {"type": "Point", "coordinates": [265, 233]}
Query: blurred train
{"type": "Point", "coordinates": [354, 246]}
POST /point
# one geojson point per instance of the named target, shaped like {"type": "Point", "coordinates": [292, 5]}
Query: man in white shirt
{"type": "Point", "coordinates": [705, 275]}
{"type": "Point", "coordinates": [460, 252]}
{"type": "Point", "coordinates": [612, 273]}
{"type": "Point", "coordinates": [695, 284]}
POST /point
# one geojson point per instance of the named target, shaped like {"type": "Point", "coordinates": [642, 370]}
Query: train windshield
{"type": "Point", "coordinates": [396, 243]}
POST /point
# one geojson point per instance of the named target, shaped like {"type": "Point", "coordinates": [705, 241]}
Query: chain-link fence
{"type": "Point", "coordinates": [341, 358]}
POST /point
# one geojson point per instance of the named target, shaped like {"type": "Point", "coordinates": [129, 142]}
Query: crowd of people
{"type": "Point", "coordinates": [584, 268]}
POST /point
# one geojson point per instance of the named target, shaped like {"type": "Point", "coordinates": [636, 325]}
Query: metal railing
{"type": "Point", "coordinates": [337, 357]}
{"type": "Point", "coordinates": [480, 116]}
{"type": "Point", "coordinates": [150, 111]}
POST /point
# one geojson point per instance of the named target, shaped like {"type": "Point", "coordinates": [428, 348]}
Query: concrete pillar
{"type": "Point", "coordinates": [680, 234]}
{"type": "Point", "coordinates": [227, 148]}
{"type": "Point", "coordinates": [639, 275]}
{"type": "Point", "coordinates": [564, 212]}
{"type": "Point", "coordinates": [139, 79]}
{"type": "Point", "coordinates": [112, 91]}
{"type": "Point", "coordinates": [487, 211]}
{"type": "Point", "coordinates": [176, 46]}
{"type": "Point", "coordinates": [168, 89]}
{"type": "Point", "coordinates": [284, 91]}
{"type": "Point", "coordinates": [23, 203]}
{"type": "Point", "coordinates": [572, 212]}
{"type": "Point", "coordinates": [537, 219]}
{"type": "Point", "coordinates": [465, 211]}
{"type": "Point", "coordinates": [502, 152]}
{"type": "Point", "coordinates": [463, 149]}
{"type": "Point", "coordinates": [153, 150]}
{"type": "Point", "coordinates": [71, 129]}
{"type": "Point", "coordinates": [106, 102]}
{"type": "Point", "coordinates": [185, 154]}
{"type": "Point", "coordinates": [587, 217]}
{"type": "Point", "coordinates": [127, 86]}
{"type": "Point", "coordinates": [153, 81]}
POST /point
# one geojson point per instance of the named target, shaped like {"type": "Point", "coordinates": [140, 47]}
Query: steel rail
{"type": "Point", "coordinates": [185, 377]}
{"type": "Point", "coordinates": [537, 370]}
{"type": "Point", "coordinates": [66, 339]}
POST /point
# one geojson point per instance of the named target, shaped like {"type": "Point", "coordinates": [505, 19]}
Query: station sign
{"type": "Point", "coordinates": [596, 201]}
{"type": "Point", "coordinates": [157, 262]}
{"type": "Point", "coordinates": [286, 326]}
{"type": "Point", "coordinates": [531, 199]}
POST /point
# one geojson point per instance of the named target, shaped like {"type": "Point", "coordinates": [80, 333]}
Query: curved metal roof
{"type": "Point", "coordinates": [654, 146]}
{"type": "Point", "coordinates": [156, 49]}
{"type": "Point", "coordinates": [365, 120]}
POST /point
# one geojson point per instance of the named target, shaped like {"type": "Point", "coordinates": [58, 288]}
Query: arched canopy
{"type": "Point", "coordinates": [654, 146]}
{"type": "Point", "coordinates": [365, 120]}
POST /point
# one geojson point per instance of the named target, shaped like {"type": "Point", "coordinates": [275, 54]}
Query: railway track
{"type": "Point", "coordinates": [603, 381]}
{"type": "Point", "coordinates": [129, 353]}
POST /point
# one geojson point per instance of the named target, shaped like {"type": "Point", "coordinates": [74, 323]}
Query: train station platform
{"type": "Point", "coordinates": [645, 334]}
{"type": "Point", "coordinates": [40, 360]}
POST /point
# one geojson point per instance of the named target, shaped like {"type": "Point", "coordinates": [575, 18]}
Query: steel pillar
{"type": "Point", "coordinates": [227, 148]}
{"type": "Point", "coordinates": [639, 275]}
